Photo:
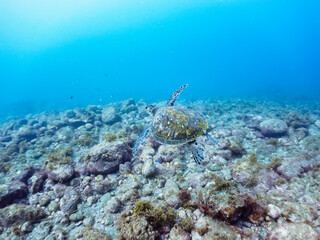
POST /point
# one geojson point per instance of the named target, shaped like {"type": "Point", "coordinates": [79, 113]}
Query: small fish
{"type": "Point", "coordinates": [106, 74]}
{"type": "Point", "coordinates": [71, 97]}
{"type": "Point", "coordinates": [131, 175]}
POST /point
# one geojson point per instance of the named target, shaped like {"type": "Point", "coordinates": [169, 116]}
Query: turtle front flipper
{"type": "Point", "coordinates": [197, 151]}
{"type": "Point", "coordinates": [142, 136]}
{"type": "Point", "coordinates": [210, 139]}
{"type": "Point", "coordinates": [175, 95]}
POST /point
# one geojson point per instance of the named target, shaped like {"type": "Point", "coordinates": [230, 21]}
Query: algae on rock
{"type": "Point", "coordinates": [19, 213]}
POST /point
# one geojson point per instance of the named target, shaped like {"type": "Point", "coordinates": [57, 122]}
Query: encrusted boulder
{"type": "Point", "coordinates": [208, 229]}
{"type": "Point", "coordinates": [19, 213]}
{"type": "Point", "coordinates": [292, 231]}
{"type": "Point", "coordinates": [293, 167]}
{"type": "Point", "coordinates": [110, 116]}
{"type": "Point", "coordinates": [105, 158]}
{"type": "Point", "coordinates": [171, 194]}
{"type": "Point", "coordinates": [70, 200]}
{"type": "Point", "coordinates": [113, 205]}
{"type": "Point", "coordinates": [25, 134]}
{"type": "Point", "coordinates": [149, 169]}
{"type": "Point", "coordinates": [230, 205]}
{"type": "Point", "coordinates": [132, 226]}
{"type": "Point", "coordinates": [25, 175]}
{"type": "Point", "coordinates": [61, 172]}
{"type": "Point", "coordinates": [90, 233]}
{"type": "Point", "coordinates": [128, 106]}
{"type": "Point", "coordinates": [12, 192]}
{"type": "Point", "coordinates": [36, 181]}
{"type": "Point", "coordinates": [273, 128]}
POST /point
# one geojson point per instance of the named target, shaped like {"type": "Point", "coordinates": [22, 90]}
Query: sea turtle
{"type": "Point", "coordinates": [177, 125]}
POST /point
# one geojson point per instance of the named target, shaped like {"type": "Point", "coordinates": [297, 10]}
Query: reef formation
{"type": "Point", "coordinates": [72, 174]}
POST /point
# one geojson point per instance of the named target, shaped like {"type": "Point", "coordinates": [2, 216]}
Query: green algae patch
{"type": "Point", "coordinates": [19, 213]}
{"type": "Point", "coordinates": [142, 207]}
{"type": "Point", "coordinates": [85, 139]}
{"type": "Point", "coordinates": [58, 158]}
{"type": "Point", "coordinates": [275, 162]}
{"type": "Point", "coordinates": [110, 137]}
{"type": "Point", "coordinates": [186, 224]}
{"type": "Point", "coordinates": [91, 233]}
{"type": "Point", "coordinates": [145, 221]}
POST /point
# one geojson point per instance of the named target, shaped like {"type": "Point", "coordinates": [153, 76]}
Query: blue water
{"type": "Point", "coordinates": [63, 54]}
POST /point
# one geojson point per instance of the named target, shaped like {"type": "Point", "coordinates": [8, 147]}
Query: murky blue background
{"type": "Point", "coordinates": [104, 51]}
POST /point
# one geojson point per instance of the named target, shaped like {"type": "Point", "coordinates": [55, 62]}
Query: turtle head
{"type": "Point", "coordinates": [152, 109]}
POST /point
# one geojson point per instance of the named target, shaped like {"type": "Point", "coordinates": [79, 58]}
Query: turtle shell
{"type": "Point", "coordinates": [177, 125]}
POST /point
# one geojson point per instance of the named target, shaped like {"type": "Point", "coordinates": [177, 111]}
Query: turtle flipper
{"type": "Point", "coordinates": [142, 136]}
{"type": "Point", "coordinates": [197, 151]}
{"type": "Point", "coordinates": [175, 95]}
{"type": "Point", "coordinates": [210, 139]}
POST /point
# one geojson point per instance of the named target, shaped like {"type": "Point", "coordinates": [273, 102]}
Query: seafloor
{"type": "Point", "coordinates": [72, 175]}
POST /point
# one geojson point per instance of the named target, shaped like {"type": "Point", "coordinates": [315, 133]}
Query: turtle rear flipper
{"type": "Point", "coordinates": [197, 151]}
{"type": "Point", "coordinates": [142, 136]}
{"type": "Point", "coordinates": [175, 95]}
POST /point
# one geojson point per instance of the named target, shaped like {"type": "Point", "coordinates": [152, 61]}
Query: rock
{"type": "Point", "coordinates": [225, 154]}
{"type": "Point", "coordinates": [147, 189]}
{"type": "Point", "coordinates": [273, 128]}
{"type": "Point", "coordinates": [48, 185]}
{"type": "Point", "coordinates": [125, 168]}
{"type": "Point", "coordinates": [113, 205]}
{"type": "Point", "coordinates": [27, 135]}
{"type": "Point", "coordinates": [88, 126]}
{"type": "Point", "coordinates": [25, 175]}
{"type": "Point", "coordinates": [273, 211]}
{"type": "Point", "coordinates": [149, 169]}
{"type": "Point", "coordinates": [36, 181]}
{"type": "Point", "coordinates": [26, 227]}
{"type": "Point", "coordinates": [76, 217]}
{"type": "Point", "coordinates": [105, 158]}
{"type": "Point", "coordinates": [110, 116]}
{"type": "Point", "coordinates": [5, 139]}
{"type": "Point", "coordinates": [266, 180]}
{"type": "Point", "coordinates": [178, 234]}
{"type": "Point", "coordinates": [88, 221]}
{"type": "Point", "coordinates": [53, 206]}
{"type": "Point", "coordinates": [296, 120]}
{"type": "Point", "coordinates": [103, 186]}
{"type": "Point", "coordinates": [61, 173]}
{"type": "Point", "coordinates": [90, 233]}
{"type": "Point", "coordinates": [44, 200]}
{"type": "Point", "coordinates": [317, 123]}
{"type": "Point", "coordinates": [255, 122]}
{"type": "Point", "coordinates": [133, 227]}
{"type": "Point", "coordinates": [12, 192]}
{"type": "Point", "coordinates": [12, 149]}
{"type": "Point", "coordinates": [94, 108]}
{"type": "Point", "coordinates": [42, 231]}
{"type": "Point", "coordinates": [65, 134]}
{"type": "Point", "coordinates": [19, 213]}
{"type": "Point", "coordinates": [128, 106]}
{"type": "Point", "coordinates": [230, 205]}
{"type": "Point", "coordinates": [70, 200]}
{"type": "Point", "coordinates": [292, 231]}
{"type": "Point", "coordinates": [20, 123]}
{"type": "Point", "coordinates": [129, 196]}
{"type": "Point", "coordinates": [293, 167]}
{"type": "Point", "coordinates": [76, 123]}
{"type": "Point", "coordinates": [208, 229]}
{"type": "Point", "coordinates": [70, 114]}
{"type": "Point", "coordinates": [171, 191]}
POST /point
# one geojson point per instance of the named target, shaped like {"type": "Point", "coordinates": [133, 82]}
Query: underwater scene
{"type": "Point", "coordinates": [160, 120]}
